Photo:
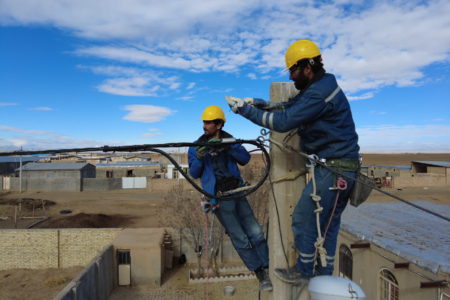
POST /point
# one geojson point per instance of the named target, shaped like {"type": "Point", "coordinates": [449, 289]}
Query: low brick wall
{"type": "Point", "coordinates": [52, 248]}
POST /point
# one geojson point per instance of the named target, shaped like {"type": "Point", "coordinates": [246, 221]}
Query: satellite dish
{"type": "Point", "coordinates": [334, 288]}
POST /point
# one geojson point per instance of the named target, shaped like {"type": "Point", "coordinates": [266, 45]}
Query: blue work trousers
{"type": "Point", "coordinates": [304, 221]}
{"type": "Point", "coordinates": [246, 234]}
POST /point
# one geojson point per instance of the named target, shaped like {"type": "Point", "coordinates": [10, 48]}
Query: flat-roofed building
{"type": "Point", "coordinates": [396, 251]}
{"type": "Point", "coordinates": [53, 176]}
{"type": "Point", "coordinates": [129, 169]}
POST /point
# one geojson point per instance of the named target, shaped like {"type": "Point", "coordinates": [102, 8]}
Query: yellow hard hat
{"type": "Point", "coordinates": [300, 50]}
{"type": "Point", "coordinates": [213, 112]}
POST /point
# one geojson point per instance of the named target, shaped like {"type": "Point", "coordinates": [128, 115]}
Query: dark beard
{"type": "Point", "coordinates": [302, 82]}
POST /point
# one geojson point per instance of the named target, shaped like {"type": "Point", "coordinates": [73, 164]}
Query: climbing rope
{"type": "Point", "coordinates": [316, 198]}
{"type": "Point", "coordinates": [285, 147]}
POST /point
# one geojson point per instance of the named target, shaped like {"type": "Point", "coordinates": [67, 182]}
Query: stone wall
{"type": "Point", "coordinates": [52, 248]}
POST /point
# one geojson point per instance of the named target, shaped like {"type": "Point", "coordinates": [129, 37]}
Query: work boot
{"type": "Point", "coordinates": [291, 275]}
{"type": "Point", "coordinates": [265, 285]}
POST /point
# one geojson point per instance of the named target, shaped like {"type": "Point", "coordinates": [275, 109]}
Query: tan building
{"type": "Point", "coordinates": [396, 251]}
{"type": "Point", "coordinates": [128, 169]}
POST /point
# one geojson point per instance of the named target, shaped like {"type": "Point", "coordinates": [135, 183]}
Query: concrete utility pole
{"type": "Point", "coordinates": [288, 177]}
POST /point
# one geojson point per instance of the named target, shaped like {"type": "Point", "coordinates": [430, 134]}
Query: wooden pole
{"type": "Point", "coordinates": [288, 177]}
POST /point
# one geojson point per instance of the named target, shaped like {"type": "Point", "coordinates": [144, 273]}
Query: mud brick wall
{"type": "Point", "coordinates": [52, 248]}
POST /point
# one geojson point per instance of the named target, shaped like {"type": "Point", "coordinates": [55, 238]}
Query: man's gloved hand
{"type": "Point", "coordinates": [257, 102]}
{"type": "Point", "coordinates": [234, 103]}
{"type": "Point", "coordinates": [201, 151]}
{"type": "Point", "coordinates": [206, 206]}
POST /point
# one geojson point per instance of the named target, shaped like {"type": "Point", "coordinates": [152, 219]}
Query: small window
{"type": "Point", "coordinates": [345, 262]}
{"type": "Point", "coordinates": [389, 289]}
{"type": "Point", "coordinates": [123, 257]}
{"type": "Point", "coordinates": [109, 174]}
{"type": "Point", "coordinates": [175, 173]}
{"type": "Point", "coordinates": [130, 173]}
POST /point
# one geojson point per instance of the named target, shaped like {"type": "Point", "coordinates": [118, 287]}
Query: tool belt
{"type": "Point", "coordinates": [227, 184]}
{"type": "Point", "coordinates": [343, 165]}
{"type": "Point", "coordinates": [363, 185]}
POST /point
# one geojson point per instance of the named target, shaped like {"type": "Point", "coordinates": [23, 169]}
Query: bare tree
{"type": "Point", "coordinates": [259, 199]}
{"type": "Point", "coordinates": [186, 213]}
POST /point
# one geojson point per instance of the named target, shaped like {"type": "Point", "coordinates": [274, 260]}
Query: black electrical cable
{"type": "Point", "coordinates": [386, 193]}
{"type": "Point", "coordinates": [153, 148]}
{"type": "Point", "coordinates": [320, 163]}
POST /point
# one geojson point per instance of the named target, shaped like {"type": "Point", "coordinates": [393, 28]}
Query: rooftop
{"type": "Point", "coordinates": [408, 232]}
{"type": "Point", "coordinates": [11, 159]}
{"type": "Point", "coordinates": [445, 164]}
{"type": "Point", "coordinates": [129, 164]}
{"type": "Point", "coordinates": [53, 166]}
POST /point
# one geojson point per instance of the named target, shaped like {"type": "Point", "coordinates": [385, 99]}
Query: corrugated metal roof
{"type": "Point", "coordinates": [130, 164]}
{"type": "Point", "coordinates": [11, 159]}
{"type": "Point", "coordinates": [53, 166]}
{"type": "Point", "coordinates": [408, 232]}
{"type": "Point", "coordinates": [445, 164]}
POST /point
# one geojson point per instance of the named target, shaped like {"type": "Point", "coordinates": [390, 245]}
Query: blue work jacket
{"type": "Point", "coordinates": [322, 115]}
{"type": "Point", "coordinates": [203, 168]}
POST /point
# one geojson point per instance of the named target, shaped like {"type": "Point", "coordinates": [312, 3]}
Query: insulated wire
{"type": "Point", "coordinates": [355, 179]}
{"type": "Point", "coordinates": [154, 148]}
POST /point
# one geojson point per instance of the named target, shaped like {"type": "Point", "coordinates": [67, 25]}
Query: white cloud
{"type": "Point", "coordinates": [252, 76]}
{"type": "Point", "coordinates": [408, 138]}
{"type": "Point", "coordinates": [42, 108]}
{"type": "Point", "coordinates": [191, 85]}
{"type": "Point", "coordinates": [13, 138]}
{"type": "Point", "coordinates": [368, 44]}
{"type": "Point", "coordinates": [26, 131]}
{"type": "Point", "coordinates": [185, 98]}
{"type": "Point", "coordinates": [361, 97]}
{"type": "Point", "coordinates": [147, 113]}
{"type": "Point", "coordinates": [8, 104]}
{"type": "Point", "coordinates": [128, 81]}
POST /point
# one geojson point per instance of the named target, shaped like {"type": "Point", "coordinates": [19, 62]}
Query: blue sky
{"type": "Point", "coordinates": [91, 73]}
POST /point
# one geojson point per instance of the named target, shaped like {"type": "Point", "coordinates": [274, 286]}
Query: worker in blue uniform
{"type": "Point", "coordinates": [218, 172]}
{"type": "Point", "coordinates": [321, 114]}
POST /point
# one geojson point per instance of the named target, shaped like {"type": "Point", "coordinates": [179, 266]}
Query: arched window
{"type": "Point", "coordinates": [345, 262]}
{"type": "Point", "coordinates": [389, 289]}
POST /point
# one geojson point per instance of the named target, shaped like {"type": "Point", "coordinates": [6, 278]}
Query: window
{"type": "Point", "coordinates": [123, 257]}
{"type": "Point", "coordinates": [109, 174]}
{"type": "Point", "coordinates": [345, 262]}
{"type": "Point", "coordinates": [389, 289]}
{"type": "Point", "coordinates": [174, 173]}
{"type": "Point", "coordinates": [130, 173]}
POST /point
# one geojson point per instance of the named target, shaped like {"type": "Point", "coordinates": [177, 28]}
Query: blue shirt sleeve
{"type": "Point", "coordinates": [239, 154]}
{"type": "Point", "coordinates": [304, 109]}
{"type": "Point", "coordinates": [195, 164]}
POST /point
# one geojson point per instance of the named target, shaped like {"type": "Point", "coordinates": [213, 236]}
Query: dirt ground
{"type": "Point", "coordinates": [20, 284]}
{"type": "Point", "coordinates": [139, 208]}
